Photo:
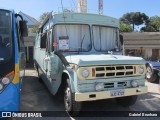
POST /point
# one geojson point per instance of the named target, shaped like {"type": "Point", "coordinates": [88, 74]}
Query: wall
{"type": "Point", "coordinates": [146, 43]}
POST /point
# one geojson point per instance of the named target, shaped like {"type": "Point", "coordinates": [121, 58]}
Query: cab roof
{"type": "Point", "coordinates": [82, 18]}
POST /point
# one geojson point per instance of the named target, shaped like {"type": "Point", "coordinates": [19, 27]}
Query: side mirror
{"type": "Point", "coordinates": [121, 39]}
{"type": "Point", "coordinates": [23, 28]}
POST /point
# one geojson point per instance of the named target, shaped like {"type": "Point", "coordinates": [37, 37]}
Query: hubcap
{"type": "Point", "coordinates": [149, 73]}
{"type": "Point", "coordinates": [67, 99]}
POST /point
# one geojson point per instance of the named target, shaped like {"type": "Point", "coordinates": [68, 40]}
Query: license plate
{"type": "Point", "coordinates": [115, 93]}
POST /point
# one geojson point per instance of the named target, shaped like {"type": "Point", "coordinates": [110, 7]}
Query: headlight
{"type": "Point", "coordinates": [1, 86]}
{"type": "Point", "coordinates": [5, 81]}
{"type": "Point", "coordinates": [134, 84]}
{"type": "Point", "coordinates": [85, 73]}
{"type": "Point", "coordinates": [141, 70]}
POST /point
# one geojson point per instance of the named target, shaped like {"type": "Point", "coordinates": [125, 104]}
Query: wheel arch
{"type": "Point", "coordinates": [66, 78]}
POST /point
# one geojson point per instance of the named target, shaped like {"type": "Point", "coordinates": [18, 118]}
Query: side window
{"type": "Point", "coordinates": [43, 40]}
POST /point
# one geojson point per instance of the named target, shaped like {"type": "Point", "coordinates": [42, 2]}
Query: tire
{"type": "Point", "coordinates": [127, 101]}
{"type": "Point", "coordinates": [155, 77]}
{"type": "Point", "coordinates": [150, 76]}
{"type": "Point", "coordinates": [72, 107]}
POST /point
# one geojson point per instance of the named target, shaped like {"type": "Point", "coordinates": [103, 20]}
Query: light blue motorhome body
{"type": "Point", "coordinates": [81, 53]}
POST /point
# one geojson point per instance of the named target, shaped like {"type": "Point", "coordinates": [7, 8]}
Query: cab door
{"type": "Point", "coordinates": [48, 54]}
{"type": "Point", "coordinates": [53, 64]}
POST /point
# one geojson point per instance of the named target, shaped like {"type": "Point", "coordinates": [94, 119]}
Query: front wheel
{"type": "Point", "coordinates": [150, 75]}
{"type": "Point", "coordinates": [72, 107]}
{"type": "Point", "coordinates": [127, 101]}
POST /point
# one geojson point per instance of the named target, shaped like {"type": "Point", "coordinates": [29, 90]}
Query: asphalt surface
{"type": "Point", "coordinates": [36, 97]}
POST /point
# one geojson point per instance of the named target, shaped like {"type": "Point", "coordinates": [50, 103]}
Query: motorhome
{"type": "Point", "coordinates": [80, 54]}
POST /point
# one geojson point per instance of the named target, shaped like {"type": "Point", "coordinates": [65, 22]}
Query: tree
{"type": "Point", "coordinates": [67, 10]}
{"type": "Point", "coordinates": [43, 16]}
{"type": "Point", "coordinates": [153, 25]}
{"type": "Point", "coordinates": [134, 18]}
{"type": "Point", "coordinates": [125, 27]}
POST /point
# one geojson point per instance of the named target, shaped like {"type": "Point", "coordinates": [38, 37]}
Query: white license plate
{"type": "Point", "coordinates": [115, 93]}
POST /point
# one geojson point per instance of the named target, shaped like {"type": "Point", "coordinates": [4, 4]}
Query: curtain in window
{"type": "Point", "coordinates": [76, 34]}
{"type": "Point", "coordinates": [104, 38]}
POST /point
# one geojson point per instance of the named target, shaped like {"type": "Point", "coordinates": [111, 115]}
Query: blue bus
{"type": "Point", "coordinates": [12, 59]}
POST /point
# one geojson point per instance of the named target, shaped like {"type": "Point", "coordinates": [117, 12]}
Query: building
{"type": "Point", "coordinates": [145, 44]}
{"type": "Point", "coordinates": [32, 25]}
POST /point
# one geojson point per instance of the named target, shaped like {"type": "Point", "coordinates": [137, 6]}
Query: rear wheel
{"type": "Point", "coordinates": [127, 101]}
{"type": "Point", "coordinates": [72, 107]}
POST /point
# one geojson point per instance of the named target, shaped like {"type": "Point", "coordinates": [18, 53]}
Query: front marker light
{"type": "Point", "coordinates": [85, 73]}
{"type": "Point", "coordinates": [141, 70]}
{"type": "Point", "coordinates": [134, 84]}
{"type": "Point", "coordinates": [99, 87]}
{"type": "Point", "coordinates": [1, 86]}
{"type": "Point", "coordinates": [5, 81]}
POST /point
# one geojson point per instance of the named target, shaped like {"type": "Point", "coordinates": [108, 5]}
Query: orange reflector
{"type": "Point", "coordinates": [73, 67]}
{"type": "Point", "coordinates": [9, 74]}
{"type": "Point", "coordinates": [134, 70]}
{"type": "Point", "coordinates": [93, 72]}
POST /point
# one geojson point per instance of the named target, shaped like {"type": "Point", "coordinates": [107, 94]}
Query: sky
{"type": "Point", "coordinates": [114, 8]}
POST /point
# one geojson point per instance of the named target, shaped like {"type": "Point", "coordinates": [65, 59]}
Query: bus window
{"type": "Point", "coordinates": [5, 36]}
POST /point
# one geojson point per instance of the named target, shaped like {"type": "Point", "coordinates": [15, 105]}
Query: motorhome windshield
{"type": "Point", "coordinates": [5, 35]}
{"type": "Point", "coordinates": [72, 37]}
{"type": "Point", "coordinates": [105, 38]}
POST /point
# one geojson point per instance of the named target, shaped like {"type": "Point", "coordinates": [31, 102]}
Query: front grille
{"type": "Point", "coordinates": [114, 71]}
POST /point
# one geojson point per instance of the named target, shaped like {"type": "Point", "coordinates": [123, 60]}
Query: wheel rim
{"type": "Point", "coordinates": [67, 99]}
{"type": "Point", "coordinates": [149, 73]}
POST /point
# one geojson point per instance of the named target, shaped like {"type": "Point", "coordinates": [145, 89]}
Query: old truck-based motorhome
{"type": "Point", "coordinates": [80, 55]}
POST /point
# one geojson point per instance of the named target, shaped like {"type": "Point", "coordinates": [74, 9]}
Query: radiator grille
{"type": "Point", "coordinates": [114, 71]}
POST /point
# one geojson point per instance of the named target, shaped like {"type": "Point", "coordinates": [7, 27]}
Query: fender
{"type": "Point", "coordinates": [71, 79]}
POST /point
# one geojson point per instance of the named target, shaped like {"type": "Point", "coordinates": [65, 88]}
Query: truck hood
{"type": "Point", "coordinates": [103, 59]}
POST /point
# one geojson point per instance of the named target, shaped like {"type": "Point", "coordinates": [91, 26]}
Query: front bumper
{"type": "Point", "coordinates": [91, 96]}
{"type": "Point", "coordinates": [10, 98]}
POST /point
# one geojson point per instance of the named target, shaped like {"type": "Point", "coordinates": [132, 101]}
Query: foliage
{"type": "Point", "coordinates": [125, 27]}
{"type": "Point", "coordinates": [67, 10]}
{"type": "Point", "coordinates": [33, 29]}
{"type": "Point", "coordinates": [43, 16]}
{"type": "Point", "coordinates": [153, 25]}
{"type": "Point", "coordinates": [134, 18]}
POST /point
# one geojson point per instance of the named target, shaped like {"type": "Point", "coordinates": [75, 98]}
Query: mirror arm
{"type": "Point", "coordinates": [18, 15]}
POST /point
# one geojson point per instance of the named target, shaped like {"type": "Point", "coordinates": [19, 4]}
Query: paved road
{"type": "Point", "coordinates": [36, 97]}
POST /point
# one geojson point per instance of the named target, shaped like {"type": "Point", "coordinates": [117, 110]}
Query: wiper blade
{"type": "Point", "coordinates": [81, 44]}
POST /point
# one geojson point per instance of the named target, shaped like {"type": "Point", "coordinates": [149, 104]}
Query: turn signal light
{"type": "Point", "coordinates": [134, 70]}
{"type": "Point", "coordinates": [93, 72]}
